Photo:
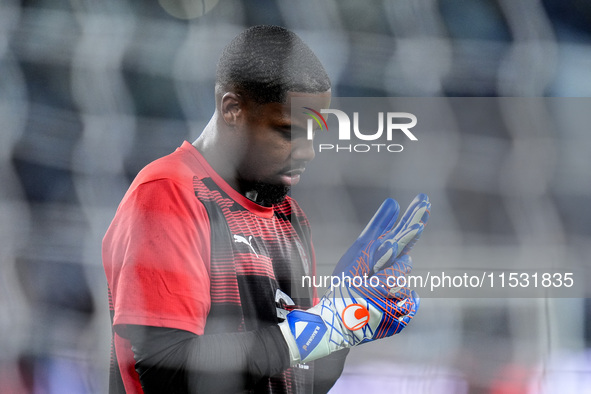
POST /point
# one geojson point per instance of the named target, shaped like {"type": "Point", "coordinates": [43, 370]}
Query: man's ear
{"type": "Point", "coordinates": [231, 108]}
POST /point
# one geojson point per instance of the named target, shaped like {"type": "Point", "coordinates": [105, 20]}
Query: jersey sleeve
{"type": "Point", "coordinates": [156, 256]}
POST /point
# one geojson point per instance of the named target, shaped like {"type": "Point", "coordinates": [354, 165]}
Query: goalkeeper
{"type": "Point", "coordinates": [204, 253]}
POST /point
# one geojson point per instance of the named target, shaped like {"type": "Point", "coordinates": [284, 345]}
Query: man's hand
{"type": "Point", "coordinates": [368, 305]}
{"type": "Point", "coordinates": [380, 243]}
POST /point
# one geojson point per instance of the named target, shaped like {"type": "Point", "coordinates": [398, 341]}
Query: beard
{"type": "Point", "coordinates": [265, 194]}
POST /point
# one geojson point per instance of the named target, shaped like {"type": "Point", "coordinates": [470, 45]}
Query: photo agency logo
{"type": "Point", "coordinates": [352, 139]}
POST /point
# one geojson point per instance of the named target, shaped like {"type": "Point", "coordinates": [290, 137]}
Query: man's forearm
{"type": "Point", "coordinates": [177, 361]}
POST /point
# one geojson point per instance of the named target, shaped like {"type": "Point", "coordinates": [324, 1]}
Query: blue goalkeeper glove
{"type": "Point", "coordinates": [367, 306]}
{"type": "Point", "coordinates": [380, 243]}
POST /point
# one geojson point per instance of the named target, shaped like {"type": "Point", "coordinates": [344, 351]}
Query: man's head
{"type": "Point", "coordinates": [259, 73]}
{"type": "Point", "coordinates": [263, 63]}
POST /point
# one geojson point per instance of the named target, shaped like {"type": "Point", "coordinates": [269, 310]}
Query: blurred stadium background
{"type": "Point", "coordinates": [93, 91]}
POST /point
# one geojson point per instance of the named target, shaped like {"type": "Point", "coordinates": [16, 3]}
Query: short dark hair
{"type": "Point", "coordinates": [264, 62]}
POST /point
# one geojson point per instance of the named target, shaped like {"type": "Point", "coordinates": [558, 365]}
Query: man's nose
{"type": "Point", "coordinates": [303, 149]}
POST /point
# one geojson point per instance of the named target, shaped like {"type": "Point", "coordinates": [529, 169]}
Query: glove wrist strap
{"type": "Point", "coordinates": [294, 354]}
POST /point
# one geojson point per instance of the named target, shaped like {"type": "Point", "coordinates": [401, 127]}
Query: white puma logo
{"type": "Point", "coordinates": [241, 239]}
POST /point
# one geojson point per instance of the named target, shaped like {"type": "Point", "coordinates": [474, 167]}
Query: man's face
{"type": "Point", "coordinates": [275, 141]}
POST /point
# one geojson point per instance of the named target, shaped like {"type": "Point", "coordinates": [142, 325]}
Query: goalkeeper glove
{"type": "Point", "coordinates": [371, 306]}
{"type": "Point", "coordinates": [379, 243]}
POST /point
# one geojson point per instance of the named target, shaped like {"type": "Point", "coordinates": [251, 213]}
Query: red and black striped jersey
{"type": "Point", "coordinates": [187, 251]}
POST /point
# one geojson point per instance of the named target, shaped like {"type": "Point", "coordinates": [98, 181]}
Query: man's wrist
{"type": "Point", "coordinates": [306, 334]}
{"type": "Point", "coordinates": [294, 354]}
